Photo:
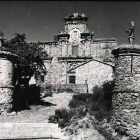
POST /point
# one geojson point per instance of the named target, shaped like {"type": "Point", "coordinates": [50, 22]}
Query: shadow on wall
{"type": "Point", "coordinates": [25, 96]}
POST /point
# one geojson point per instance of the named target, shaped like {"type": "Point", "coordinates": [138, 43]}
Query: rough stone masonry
{"type": "Point", "coordinates": [126, 96]}
{"type": "Point", "coordinates": [7, 61]}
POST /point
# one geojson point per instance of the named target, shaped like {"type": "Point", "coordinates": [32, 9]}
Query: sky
{"type": "Point", "coordinates": [41, 20]}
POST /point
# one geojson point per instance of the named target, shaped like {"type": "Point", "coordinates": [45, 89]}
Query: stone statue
{"type": "Point", "coordinates": [131, 33]}
{"type": "Point", "coordinates": [92, 34]}
{"type": "Point", "coordinates": [1, 37]}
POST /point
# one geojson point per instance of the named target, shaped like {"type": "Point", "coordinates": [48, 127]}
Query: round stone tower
{"type": "Point", "coordinates": [126, 96]}
{"type": "Point", "coordinates": [7, 62]}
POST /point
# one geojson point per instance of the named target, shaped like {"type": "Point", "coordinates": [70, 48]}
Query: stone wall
{"type": "Point", "coordinates": [102, 48]}
{"type": "Point", "coordinates": [95, 48]}
{"type": "Point", "coordinates": [126, 97]}
{"type": "Point", "coordinates": [95, 72]}
{"type": "Point", "coordinates": [77, 88]}
{"type": "Point", "coordinates": [82, 27]}
{"type": "Point", "coordinates": [7, 61]}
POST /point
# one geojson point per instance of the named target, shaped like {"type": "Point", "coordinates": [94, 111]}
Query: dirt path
{"type": "Point", "coordinates": [40, 113]}
{"type": "Point", "coordinates": [33, 123]}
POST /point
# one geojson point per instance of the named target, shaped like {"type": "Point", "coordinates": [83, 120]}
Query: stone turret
{"type": "Point", "coordinates": [126, 96]}
{"type": "Point", "coordinates": [7, 64]}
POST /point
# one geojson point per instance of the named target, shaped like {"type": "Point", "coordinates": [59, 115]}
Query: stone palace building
{"type": "Point", "coordinates": [75, 57]}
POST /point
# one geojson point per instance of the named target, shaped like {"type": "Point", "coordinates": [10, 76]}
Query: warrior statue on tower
{"type": "Point", "coordinates": [131, 33]}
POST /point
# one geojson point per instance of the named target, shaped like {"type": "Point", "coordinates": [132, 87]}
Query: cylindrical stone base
{"type": "Point", "coordinates": [126, 96]}
{"type": "Point", "coordinates": [7, 61]}
{"type": "Point", "coordinates": [6, 99]}
{"type": "Point", "coordinates": [126, 113]}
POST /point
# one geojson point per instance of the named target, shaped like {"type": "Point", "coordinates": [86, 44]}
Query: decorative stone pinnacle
{"type": "Point", "coordinates": [83, 15]}
{"type": "Point", "coordinates": [75, 14]}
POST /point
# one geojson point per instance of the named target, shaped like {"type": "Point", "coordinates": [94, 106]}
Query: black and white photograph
{"type": "Point", "coordinates": [69, 70]}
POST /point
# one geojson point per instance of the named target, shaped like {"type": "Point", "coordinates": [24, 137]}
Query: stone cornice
{"type": "Point", "coordinates": [75, 23]}
{"type": "Point", "coordinates": [105, 40]}
{"type": "Point", "coordinates": [127, 49]}
{"type": "Point", "coordinates": [75, 18]}
{"type": "Point", "coordinates": [8, 55]}
{"type": "Point", "coordinates": [74, 57]}
{"type": "Point", "coordinates": [7, 86]}
{"type": "Point", "coordinates": [63, 35]}
{"type": "Point", "coordinates": [48, 43]}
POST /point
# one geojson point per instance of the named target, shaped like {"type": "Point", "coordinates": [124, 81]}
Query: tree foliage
{"type": "Point", "coordinates": [30, 55]}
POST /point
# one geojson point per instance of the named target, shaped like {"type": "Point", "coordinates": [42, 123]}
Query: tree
{"type": "Point", "coordinates": [30, 55]}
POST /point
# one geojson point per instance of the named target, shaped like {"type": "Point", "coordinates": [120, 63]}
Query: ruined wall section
{"type": "Point", "coordinates": [96, 73]}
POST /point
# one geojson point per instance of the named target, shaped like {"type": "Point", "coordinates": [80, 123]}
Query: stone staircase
{"type": "Point", "coordinates": [29, 131]}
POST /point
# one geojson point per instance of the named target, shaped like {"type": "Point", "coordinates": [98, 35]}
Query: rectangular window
{"type": "Point", "coordinates": [74, 50]}
{"type": "Point", "coordinates": [72, 79]}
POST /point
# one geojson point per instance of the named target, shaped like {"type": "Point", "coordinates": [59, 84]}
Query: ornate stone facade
{"type": "Point", "coordinates": [73, 47]}
{"type": "Point", "coordinates": [126, 97]}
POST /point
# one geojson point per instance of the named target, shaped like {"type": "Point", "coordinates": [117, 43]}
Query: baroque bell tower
{"type": "Point", "coordinates": [76, 24]}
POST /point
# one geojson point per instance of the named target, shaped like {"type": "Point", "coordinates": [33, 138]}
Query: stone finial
{"type": "Point", "coordinates": [83, 15]}
{"type": "Point", "coordinates": [75, 14]}
{"type": "Point", "coordinates": [131, 32]}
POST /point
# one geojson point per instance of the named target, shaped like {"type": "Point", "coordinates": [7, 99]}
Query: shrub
{"type": "Point", "coordinates": [46, 90]}
{"type": "Point", "coordinates": [82, 97]}
{"type": "Point", "coordinates": [51, 119]}
{"type": "Point", "coordinates": [62, 113]}
{"type": "Point", "coordinates": [81, 111]}
{"type": "Point", "coordinates": [108, 88]}
{"type": "Point", "coordinates": [63, 117]}
{"type": "Point", "coordinates": [81, 104]}
{"type": "Point", "coordinates": [97, 93]}
{"type": "Point", "coordinates": [68, 90]}
{"type": "Point", "coordinates": [101, 101]}
{"type": "Point", "coordinates": [74, 103]}
{"type": "Point", "coordinates": [107, 134]}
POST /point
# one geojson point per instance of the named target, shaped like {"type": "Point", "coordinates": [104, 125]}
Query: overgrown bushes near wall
{"type": "Point", "coordinates": [97, 104]}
